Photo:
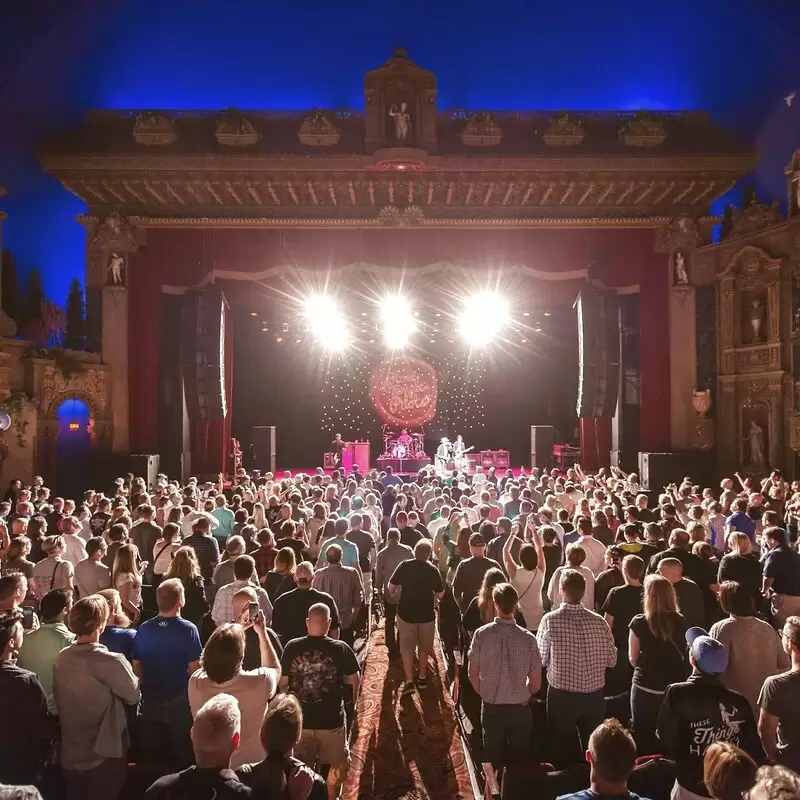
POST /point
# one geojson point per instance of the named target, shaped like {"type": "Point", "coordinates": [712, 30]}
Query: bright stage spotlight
{"type": "Point", "coordinates": [326, 322]}
{"type": "Point", "coordinates": [484, 315]}
{"type": "Point", "coordinates": [397, 322]}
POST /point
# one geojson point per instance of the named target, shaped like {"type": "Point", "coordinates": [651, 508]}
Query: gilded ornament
{"type": "Point", "coordinates": [644, 130]}
{"type": "Point", "coordinates": [317, 130]}
{"type": "Point", "coordinates": [236, 130]}
{"type": "Point", "coordinates": [564, 131]}
{"type": "Point", "coordinates": [482, 130]}
{"type": "Point", "coordinates": [151, 128]}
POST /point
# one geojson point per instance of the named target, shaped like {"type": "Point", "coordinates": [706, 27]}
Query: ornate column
{"type": "Point", "coordinates": [108, 244]}
{"type": "Point", "coordinates": [678, 240]}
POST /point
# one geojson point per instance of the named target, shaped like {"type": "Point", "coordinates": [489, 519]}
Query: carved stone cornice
{"type": "Point", "coordinates": [564, 131]}
{"type": "Point", "coordinates": [644, 130]}
{"type": "Point", "coordinates": [317, 130]}
{"type": "Point", "coordinates": [234, 129]}
{"type": "Point", "coordinates": [753, 217]}
{"type": "Point", "coordinates": [482, 130]}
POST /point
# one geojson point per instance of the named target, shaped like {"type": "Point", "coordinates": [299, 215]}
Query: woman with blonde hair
{"type": "Point", "coordinates": [53, 571]}
{"type": "Point", "coordinates": [126, 577]}
{"type": "Point", "coordinates": [17, 557]}
{"type": "Point", "coordinates": [280, 579]}
{"type": "Point", "coordinates": [259, 516]}
{"type": "Point", "coordinates": [657, 652]}
{"type": "Point", "coordinates": [186, 568]}
{"type": "Point", "coordinates": [118, 635]}
{"type": "Point", "coordinates": [741, 564]}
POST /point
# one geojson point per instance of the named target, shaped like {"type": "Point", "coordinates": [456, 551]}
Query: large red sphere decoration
{"type": "Point", "coordinates": [404, 391]}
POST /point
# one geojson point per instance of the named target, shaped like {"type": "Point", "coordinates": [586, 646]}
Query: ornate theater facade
{"type": "Point", "coordinates": [188, 199]}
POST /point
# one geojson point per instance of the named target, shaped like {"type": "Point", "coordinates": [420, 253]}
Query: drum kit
{"type": "Point", "coordinates": [404, 445]}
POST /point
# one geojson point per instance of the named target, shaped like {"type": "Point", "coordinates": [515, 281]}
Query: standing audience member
{"type": "Point", "coordinates": [741, 564]}
{"type": "Point", "coordinates": [244, 574]}
{"type": "Point", "coordinates": [781, 575]}
{"type": "Point", "coordinates": [280, 579]}
{"type": "Point", "coordinates": [28, 728]}
{"type": "Point", "coordinates": [527, 574]}
{"type": "Point", "coordinates": [74, 547]}
{"type": "Point", "coordinates": [343, 584]}
{"type": "Point", "coordinates": [91, 574]}
{"type": "Point", "coordinates": [222, 673]}
{"type": "Point", "coordinates": [576, 558]}
{"type": "Point", "coordinates": [280, 774]}
{"type": "Point", "coordinates": [657, 652]}
{"type": "Point", "coordinates": [754, 650]}
{"type": "Point", "coordinates": [418, 585]}
{"type": "Point", "coordinates": [164, 551]}
{"type": "Point", "coordinates": [118, 635]}
{"type": "Point", "coordinates": [779, 703]}
{"type": "Point", "coordinates": [186, 569]}
{"type": "Point", "coordinates": [469, 572]}
{"type": "Point", "coordinates": [126, 577]}
{"type": "Point", "coordinates": [611, 755]}
{"type": "Point", "coordinates": [728, 772]}
{"type": "Point", "coordinates": [702, 703]}
{"type": "Point", "coordinates": [166, 651]}
{"type": "Point", "coordinates": [622, 605]}
{"type": "Point", "coordinates": [505, 670]}
{"type": "Point", "coordinates": [53, 571]}
{"type": "Point", "coordinates": [41, 647]}
{"type": "Point", "coordinates": [215, 733]}
{"type": "Point", "coordinates": [577, 647]}
{"type": "Point", "coordinates": [689, 595]}
{"type": "Point", "coordinates": [205, 547]}
{"type": "Point", "coordinates": [92, 686]}
{"type": "Point", "coordinates": [387, 561]}
{"type": "Point", "coordinates": [144, 534]}
{"type": "Point", "coordinates": [291, 609]}
{"type": "Point", "coordinates": [318, 670]}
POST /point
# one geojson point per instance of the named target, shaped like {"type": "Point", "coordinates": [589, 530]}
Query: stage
{"type": "Point", "coordinates": [403, 466]}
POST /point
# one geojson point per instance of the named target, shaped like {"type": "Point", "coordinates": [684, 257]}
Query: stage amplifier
{"type": "Point", "coordinates": [263, 439]}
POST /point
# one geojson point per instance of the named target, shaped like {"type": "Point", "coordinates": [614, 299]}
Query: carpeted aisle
{"type": "Point", "coordinates": [406, 747]}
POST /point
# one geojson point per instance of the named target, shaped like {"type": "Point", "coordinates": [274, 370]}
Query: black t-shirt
{"type": "Point", "coordinates": [409, 536]}
{"type": "Point", "coordinates": [420, 582]}
{"type": "Point", "coordinates": [98, 522]}
{"type": "Point", "coordinates": [257, 777]}
{"type": "Point", "coordinates": [607, 580]}
{"type": "Point", "coordinates": [623, 603]}
{"type": "Point", "coordinates": [198, 784]}
{"type": "Point", "coordinates": [780, 696]}
{"type": "Point", "coordinates": [294, 544]}
{"type": "Point", "coordinates": [252, 647]}
{"type": "Point", "coordinates": [290, 610]}
{"type": "Point", "coordinates": [661, 661]}
{"type": "Point", "coordinates": [742, 569]}
{"type": "Point", "coordinates": [316, 667]}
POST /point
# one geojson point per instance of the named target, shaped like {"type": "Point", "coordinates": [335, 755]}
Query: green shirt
{"type": "Point", "coordinates": [38, 654]}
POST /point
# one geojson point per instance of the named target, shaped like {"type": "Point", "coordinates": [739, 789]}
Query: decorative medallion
{"type": "Point", "coordinates": [317, 130]}
{"type": "Point", "coordinates": [115, 231]}
{"type": "Point", "coordinates": [564, 131]}
{"type": "Point", "coordinates": [395, 217]}
{"type": "Point", "coordinates": [154, 129]}
{"type": "Point", "coordinates": [235, 130]}
{"type": "Point", "coordinates": [482, 130]}
{"type": "Point", "coordinates": [643, 130]}
{"type": "Point", "coordinates": [404, 391]}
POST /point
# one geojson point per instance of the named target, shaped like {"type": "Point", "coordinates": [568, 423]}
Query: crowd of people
{"type": "Point", "coordinates": [205, 633]}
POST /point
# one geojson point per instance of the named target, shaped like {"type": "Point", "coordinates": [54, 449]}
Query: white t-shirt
{"type": "Point", "coordinates": [75, 550]}
{"type": "Point", "coordinates": [595, 555]}
{"type": "Point", "coordinates": [528, 584]}
{"type": "Point", "coordinates": [253, 689]}
{"type": "Point", "coordinates": [555, 595]}
{"type": "Point", "coordinates": [135, 597]}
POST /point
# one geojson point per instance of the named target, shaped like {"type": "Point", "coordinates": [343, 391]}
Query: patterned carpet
{"type": "Point", "coordinates": [405, 748]}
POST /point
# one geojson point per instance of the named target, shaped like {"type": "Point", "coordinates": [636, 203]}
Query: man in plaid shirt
{"type": "Point", "coordinates": [577, 647]}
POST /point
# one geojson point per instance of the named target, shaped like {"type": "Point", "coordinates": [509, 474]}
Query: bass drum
{"type": "Point", "coordinates": [400, 451]}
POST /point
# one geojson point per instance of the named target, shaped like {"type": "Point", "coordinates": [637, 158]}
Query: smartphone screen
{"type": "Point", "coordinates": [253, 609]}
{"type": "Point", "coordinates": [27, 617]}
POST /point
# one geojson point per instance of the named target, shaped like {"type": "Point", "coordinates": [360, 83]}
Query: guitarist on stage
{"type": "Point", "coordinates": [337, 448]}
{"type": "Point", "coordinates": [460, 451]}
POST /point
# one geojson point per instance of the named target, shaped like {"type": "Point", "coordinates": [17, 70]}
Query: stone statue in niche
{"type": "Point", "coordinates": [755, 440]}
{"type": "Point", "coordinates": [755, 316]}
{"type": "Point", "coordinates": [116, 270]}
{"type": "Point", "coordinates": [680, 268]}
{"type": "Point", "coordinates": [402, 121]}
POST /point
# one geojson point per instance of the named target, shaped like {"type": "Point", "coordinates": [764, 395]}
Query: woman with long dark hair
{"type": "Point", "coordinates": [280, 774]}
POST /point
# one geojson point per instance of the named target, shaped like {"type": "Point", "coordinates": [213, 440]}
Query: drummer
{"type": "Point", "coordinates": [405, 440]}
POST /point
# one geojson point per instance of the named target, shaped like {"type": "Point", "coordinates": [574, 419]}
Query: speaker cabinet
{"type": "Point", "coordinates": [657, 470]}
{"type": "Point", "coordinates": [543, 437]}
{"type": "Point", "coordinates": [263, 439]}
{"type": "Point", "coordinates": [598, 352]}
{"type": "Point", "coordinates": [146, 466]}
{"type": "Point", "coordinates": [203, 354]}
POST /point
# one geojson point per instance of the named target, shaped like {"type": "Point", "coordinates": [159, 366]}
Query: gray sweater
{"type": "Point", "coordinates": [91, 687]}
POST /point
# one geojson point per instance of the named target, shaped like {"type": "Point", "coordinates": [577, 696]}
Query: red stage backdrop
{"type": "Point", "coordinates": [404, 392]}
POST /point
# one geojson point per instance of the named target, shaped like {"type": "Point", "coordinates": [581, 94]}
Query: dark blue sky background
{"type": "Point", "coordinates": [58, 58]}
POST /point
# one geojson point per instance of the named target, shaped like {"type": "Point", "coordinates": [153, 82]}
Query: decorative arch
{"type": "Point", "coordinates": [76, 394]}
{"type": "Point", "coordinates": [745, 256]}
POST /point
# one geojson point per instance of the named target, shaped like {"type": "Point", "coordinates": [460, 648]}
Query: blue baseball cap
{"type": "Point", "coordinates": [709, 655]}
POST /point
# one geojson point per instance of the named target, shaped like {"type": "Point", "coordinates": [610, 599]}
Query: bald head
{"type": "Point", "coordinates": [318, 622]}
{"type": "Point", "coordinates": [671, 569]}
